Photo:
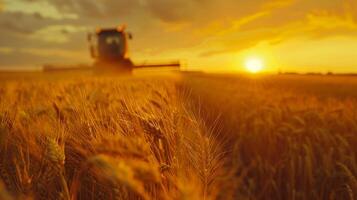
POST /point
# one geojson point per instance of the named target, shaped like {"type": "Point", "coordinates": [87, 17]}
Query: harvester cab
{"type": "Point", "coordinates": [109, 47]}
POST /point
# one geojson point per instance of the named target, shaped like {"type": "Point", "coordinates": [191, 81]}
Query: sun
{"type": "Point", "coordinates": [254, 65]}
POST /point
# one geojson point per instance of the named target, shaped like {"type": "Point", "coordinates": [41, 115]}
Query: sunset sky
{"type": "Point", "coordinates": [287, 35]}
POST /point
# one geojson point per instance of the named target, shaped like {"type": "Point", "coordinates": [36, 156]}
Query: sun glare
{"type": "Point", "coordinates": [254, 65]}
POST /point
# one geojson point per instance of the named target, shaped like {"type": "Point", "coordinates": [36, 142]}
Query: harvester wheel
{"type": "Point", "coordinates": [127, 64]}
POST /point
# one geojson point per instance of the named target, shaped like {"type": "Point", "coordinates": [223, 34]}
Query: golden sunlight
{"type": "Point", "coordinates": [254, 65]}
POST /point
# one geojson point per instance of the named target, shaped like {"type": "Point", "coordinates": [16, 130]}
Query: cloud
{"type": "Point", "coordinates": [325, 23]}
{"type": "Point", "coordinates": [103, 9]}
{"type": "Point", "coordinates": [205, 27]}
{"type": "Point", "coordinates": [56, 33]}
{"type": "Point", "coordinates": [174, 10]}
{"type": "Point", "coordinates": [22, 23]}
{"type": "Point", "coordinates": [6, 50]}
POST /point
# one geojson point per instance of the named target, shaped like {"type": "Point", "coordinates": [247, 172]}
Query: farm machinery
{"type": "Point", "coordinates": [109, 48]}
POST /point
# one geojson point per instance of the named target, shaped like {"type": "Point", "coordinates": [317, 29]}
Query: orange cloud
{"type": "Point", "coordinates": [327, 23]}
{"type": "Point", "coordinates": [6, 50]}
{"type": "Point", "coordinates": [276, 4]}
{"type": "Point", "coordinates": [282, 20]}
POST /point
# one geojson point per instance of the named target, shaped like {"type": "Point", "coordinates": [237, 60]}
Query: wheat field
{"type": "Point", "coordinates": [178, 136]}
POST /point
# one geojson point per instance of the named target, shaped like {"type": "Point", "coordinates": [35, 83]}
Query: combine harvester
{"type": "Point", "coordinates": [109, 48]}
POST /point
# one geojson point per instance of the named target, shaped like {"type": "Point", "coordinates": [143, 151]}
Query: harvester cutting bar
{"type": "Point", "coordinates": [54, 68]}
{"type": "Point", "coordinates": [174, 65]}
